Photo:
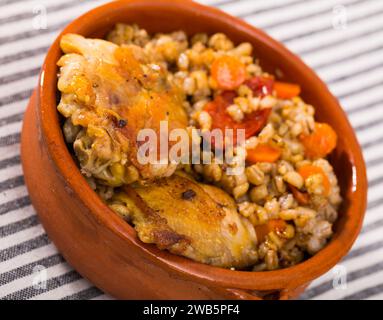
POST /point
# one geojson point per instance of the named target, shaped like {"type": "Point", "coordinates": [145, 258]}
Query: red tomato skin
{"type": "Point", "coordinates": [260, 86]}
{"type": "Point", "coordinates": [252, 123]}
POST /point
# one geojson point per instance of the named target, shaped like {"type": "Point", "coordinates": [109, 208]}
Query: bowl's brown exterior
{"type": "Point", "coordinates": [104, 248]}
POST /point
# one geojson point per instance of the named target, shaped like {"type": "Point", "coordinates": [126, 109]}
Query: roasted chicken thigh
{"type": "Point", "coordinates": [109, 93]}
{"type": "Point", "coordinates": [192, 219]}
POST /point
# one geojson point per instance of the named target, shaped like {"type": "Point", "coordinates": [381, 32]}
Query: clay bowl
{"type": "Point", "coordinates": [104, 248]}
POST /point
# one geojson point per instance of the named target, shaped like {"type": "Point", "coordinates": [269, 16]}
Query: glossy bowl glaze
{"type": "Point", "coordinates": [105, 249]}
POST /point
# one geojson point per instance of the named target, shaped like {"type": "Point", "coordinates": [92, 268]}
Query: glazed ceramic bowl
{"type": "Point", "coordinates": [105, 249]}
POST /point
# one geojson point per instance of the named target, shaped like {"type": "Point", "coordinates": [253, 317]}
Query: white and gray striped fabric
{"type": "Point", "coordinates": [341, 39]}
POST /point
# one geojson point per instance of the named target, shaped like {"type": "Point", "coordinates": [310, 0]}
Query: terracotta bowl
{"type": "Point", "coordinates": [105, 249]}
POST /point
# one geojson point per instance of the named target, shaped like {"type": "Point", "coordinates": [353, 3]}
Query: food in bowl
{"type": "Point", "coordinates": [278, 211]}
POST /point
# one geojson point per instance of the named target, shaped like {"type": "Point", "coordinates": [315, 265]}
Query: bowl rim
{"type": "Point", "coordinates": [59, 154]}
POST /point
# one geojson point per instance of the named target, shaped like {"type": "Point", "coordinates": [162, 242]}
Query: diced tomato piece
{"type": "Point", "coordinates": [260, 86]}
{"type": "Point", "coordinates": [229, 72]}
{"type": "Point", "coordinates": [228, 96]}
{"type": "Point", "coordinates": [276, 225]}
{"type": "Point", "coordinates": [252, 123]}
{"type": "Point", "coordinates": [321, 142]}
{"type": "Point", "coordinates": [263, 153]}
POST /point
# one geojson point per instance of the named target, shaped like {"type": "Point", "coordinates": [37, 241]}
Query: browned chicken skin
{"type": "Point", "coordinates": [195, 220]}
{"type": "Point", "coordinates": [113, 92]}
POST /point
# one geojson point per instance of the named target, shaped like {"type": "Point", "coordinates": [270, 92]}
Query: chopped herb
{"type": "Point", "coordinates": [188, 194]}
{"type": "Point", "coordinates": [121, 123]}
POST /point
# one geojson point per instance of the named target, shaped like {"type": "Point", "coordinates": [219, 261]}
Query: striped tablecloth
{"type": "Point", "coordinates": [341, 39]}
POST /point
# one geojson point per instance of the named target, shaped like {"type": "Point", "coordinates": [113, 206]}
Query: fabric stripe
{"type": "Point", "coordinates": [328, 28]}
{"type": "Point", "coordinates": [30, 15]}
{"type": "Point", "coordinates": [222, 2]}
{"type": "Point", "coordinates": [337, 42]}
{"type": "Point", "coordinates": [24, 247]}
{"type": "Point", "coordinates": [51, 284]}
{"type": "Point", "coordinates": [358, 73]}
{"type": "Point", "coordinates": [347, 58]}
{"type": "Point", "coordinates": [365, 107]}
{"type": "Point", "coordinates": [11, 119]}
{"type": "Point", "coordinates": [5, 2]}
{"type": "Point", "coordinates": [27, 258]}
{"type": "Point", "coordinates": [31, 33]}
{"type": "Point", "coordinates": [11, 183]}
{"type": "Point", "coordinates": [365, 293]}
{"type": "Point", "coordinates": [9, 162]}
{"type": "Point", "coordinates": [260, 11]}
{"type": "Point", "coordinates": [372, 226]}
{"type": "Point", "coordinates": [20, 75]}
{"type": "Point", "coordinates": [350, 277]}
{"type": "Point", "coordinates": [361, 89]}
{"type": "Point", "coordinates": [304, 17]}
{"type": "Point", "coordinates": [374, 162]}
{"type": "Point", "coordinates": [363, 250]}
{"type": "Point", "coordinates": [16, 97]}
{"type": "Point", "coordinates": [368, 125]}
{"type": "Point", "coordinates": [375, 181]}
{"type": "Point", "coordinates": [17, 215]}
{"type": "Point", "coordinates": [87, 294]}
{"type": "Point", "coordinates": [14, 204]}
{"type": "Point", "coordinates": [18, 226]}
{"type": "Point", "coordinates": [27, 269]}
{"type": "Point", "coordinates": [372, 143]}
{"type": "Point", "coordinates": [61, 292]}
{"type": "Point", "coordinates": [9, 140]}
{"type": "Point", "coordinates": [23, 54]}
{"type": "Point", "coordinates": [375, 203]}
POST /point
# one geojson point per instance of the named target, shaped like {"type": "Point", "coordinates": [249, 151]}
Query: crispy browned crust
{"type": "Point", "coordinates": [205, 227]}
{"type": "Point", "coordinates": [160, 232]}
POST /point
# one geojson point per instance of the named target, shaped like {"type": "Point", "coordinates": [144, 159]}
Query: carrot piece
{"type": "Point", "coordinates": [263, 153]}
{"type": "Point", "coordinates": [309, 170]}
{"type": "Point", "coordinates": [303, 198]}
{"type": "Point", "coordinates": [319, 143]}
{"type": "Point", "coordinates": [262, 230]}
{"type": "Point", "coordinates": [229, 72]}
{"type": "Point", "coordinates": [285, 90]}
